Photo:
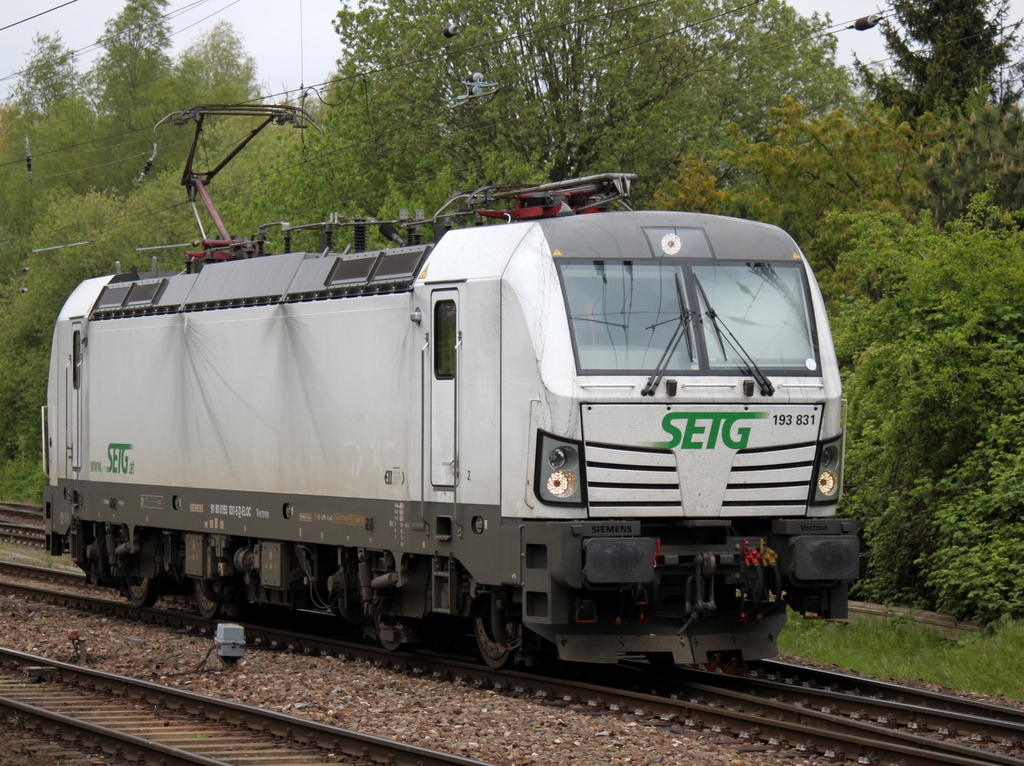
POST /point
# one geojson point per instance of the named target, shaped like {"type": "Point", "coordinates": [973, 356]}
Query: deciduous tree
{"type": "Point", "coordinates": [575, 89]}
{"type": "Point", "coordinates": [814, 169]}
{"type": "Point", "coordinates": [134, 60]}
{"type": "Point", "coordinates": [48, 78]}
{"type": "Point", "coordinates": [932, 341]}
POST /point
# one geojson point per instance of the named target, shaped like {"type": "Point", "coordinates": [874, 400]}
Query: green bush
{"type": "Point", "coordinates": [932, 340]}
{"type": "Point", "coordinates": [22, 482]}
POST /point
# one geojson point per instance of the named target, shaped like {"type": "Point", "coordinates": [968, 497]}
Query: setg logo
{"type": "Point", "coordinates": [703, 430]}
{"type": "Point", "coordinates": [120, 461]}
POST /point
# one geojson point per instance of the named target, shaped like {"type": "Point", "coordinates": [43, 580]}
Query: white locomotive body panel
{"type": "Point", "coordinates": [233, 399]}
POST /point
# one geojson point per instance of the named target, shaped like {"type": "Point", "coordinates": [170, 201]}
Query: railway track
{"type": "Point", "coordinates": [819, 681]}
{"type": "Point", "coordinates": [22, 523]}
{"type": "Point", "coordinates": [785, 709]}
{"type": "Point", "coordinates": [97, 712]}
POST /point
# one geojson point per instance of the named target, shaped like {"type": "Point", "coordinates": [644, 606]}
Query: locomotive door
{"type": "Point", "coordinates": [445, 338]}
{"type": "Point", "coordinates": [73, 401]}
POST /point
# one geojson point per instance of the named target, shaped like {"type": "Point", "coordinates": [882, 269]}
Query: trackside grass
{"type": "Point", "coordinates": [987, 662]}
{"type": "Point", "coordinates": [22, 554]}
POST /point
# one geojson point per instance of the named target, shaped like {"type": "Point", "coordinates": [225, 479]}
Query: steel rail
{"type": "Point", "coordinates": [304, 733]}
{"type": "Point", "coordinates": [26, 509]}
{"type": "Point", "coordinates": [853, 715]}
{"type": "Point", "coordinates": [61, 576]}
{"type": "Point", "coordinates": [772, 722]}
{"type": "Point", "coordinates": [22, 523]}
{"type": "Point", "coordinates": [112, 741]}
{"type": "Point", "coordinates": [810, 677]}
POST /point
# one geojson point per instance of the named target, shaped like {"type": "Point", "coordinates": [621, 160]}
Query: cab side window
{"type": "Point", "coordinates": [444, 340]}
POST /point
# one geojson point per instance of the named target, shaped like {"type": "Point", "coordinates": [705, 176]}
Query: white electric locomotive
{"type": "Point", "coordinates": [582, 433]}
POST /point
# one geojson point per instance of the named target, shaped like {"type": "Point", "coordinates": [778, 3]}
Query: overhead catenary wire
{"type": "Point", "coordinates": [213, 129]}
{"type": "Point", "coordinates": [264, 180]}
{"type": "Point", "coordinates": [37, 15]}
{"type": "Point", "coordinates": [554, 25]}
{"type": "Point", "coordinates": [98, 44]}
{"type": "Point", "coordinates": [363, 76]}
{"type": "Point", "coordinates": [124, 158]}
{"type": "Point", "coordinates": [94, 46]}
{"type": "Point", "coordinates": [225, 192]}
{"type": "Point", "coordinates": [209, 16]}
{"type": "Point", "coordinates": [518, 35]}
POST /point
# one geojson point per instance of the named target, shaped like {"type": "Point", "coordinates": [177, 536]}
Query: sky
{"type": "Point", "coordinates": [293, 41]}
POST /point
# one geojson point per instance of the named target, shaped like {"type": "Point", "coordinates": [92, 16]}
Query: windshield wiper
{"type": "Point", "coordinates": [767, 389]}
{"type": "Point", "coordinates": [682, 330]}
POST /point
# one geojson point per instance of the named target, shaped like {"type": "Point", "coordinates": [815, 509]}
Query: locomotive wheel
{"type": "Point", "coordinates": [142, 591]}
{"type": "Point", "coordinates": [383, 628]}
{"type": "Point", "coordinates": [494, 641]}
{"type": "Point", "coordinates": [211, 598]}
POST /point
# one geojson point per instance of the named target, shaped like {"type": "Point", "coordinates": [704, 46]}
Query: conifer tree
{"type": "Point", "coordinates": [943, 52]}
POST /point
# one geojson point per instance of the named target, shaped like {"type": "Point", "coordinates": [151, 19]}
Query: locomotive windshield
{"type": "Point", "coordinates": [624, 314]}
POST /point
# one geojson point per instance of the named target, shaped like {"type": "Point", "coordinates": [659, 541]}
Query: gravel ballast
{"type": "Point", "coordinates": [444, 715]}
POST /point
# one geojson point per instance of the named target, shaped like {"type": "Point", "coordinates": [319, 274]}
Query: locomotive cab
{"type": "Point", "coordinates": [688, 456]}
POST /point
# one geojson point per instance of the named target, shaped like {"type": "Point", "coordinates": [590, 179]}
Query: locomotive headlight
{"type": "Point", "coordinates": [563, 484]}
{"type": "Point", "coordinates": [830, 456]}
{"type": "Point", "coordinates": [560, 471]}
{"type": "Point", "coordinates": [828, 483]}
{"type": "Point", "coordinates": [829, 472]}
{"type": "Point", "coordinates": [562, 456]}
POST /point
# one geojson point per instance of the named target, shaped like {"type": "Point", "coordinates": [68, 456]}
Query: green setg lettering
{"type": "Point", "coordinates": [117, 454]}
{"type": "Point", "coordinates": [704, 430]}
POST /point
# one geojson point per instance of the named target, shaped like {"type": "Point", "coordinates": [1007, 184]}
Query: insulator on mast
{"type": "Point", "coordinates": [28, 159]}
{"type": "Point", "coordinates": [476, 86]}
{"type": "Point", "coordinates": [866, 22]}
{"type": "Point", "coordinates": [148, 166]}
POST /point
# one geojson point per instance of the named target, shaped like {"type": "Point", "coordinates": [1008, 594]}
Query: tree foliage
{"type": "Point", "coordinates": [944, 53]}
{"type": "Point", "coordinates": [982, 150]}
{"type": "Point", "coordinates": [932, 341]}
{"type": "Point", "coordinates": [134, 60]}
{"type": "Point", "coordinates": [578, 89]}
{"type": "Point", "coordinates": [813, 170]}
{"type": "Point", "coordinates": [924, 284]}
{"type": "Point", "coordinates": [695, 188]}
{"type": "Point", "coordinates": [98, 138]}
{"type": "Point", "coordinates": [30, 303]}
{"type": "Point", "coordinates": [49, 78]}
{"type": "Point", "coordinates": [214, 69]}
{"type": "Point", "coordinates": [89, 135]}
